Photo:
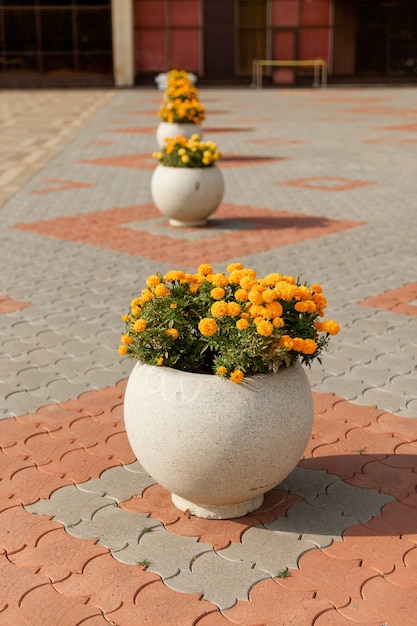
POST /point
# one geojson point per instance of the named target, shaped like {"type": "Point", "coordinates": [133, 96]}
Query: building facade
{"type": "Point", "coordinates": [128, 42]}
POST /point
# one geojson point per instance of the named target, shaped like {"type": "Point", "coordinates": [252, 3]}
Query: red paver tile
{"type": "Point", "coordinates": [10, 305]}
{"type": "Point", "coordinates": [271, 604]}
{"type": "Point", "coordinates": [43, 605]}
{"type": "Point", "coordinates": [57, 555]}
{"type": "Point", "coordinates": [327, 183]}
{"type": "Point", "coordinates": [401, 127]}
{"type": "Point", "coordinates": [397, 519]}
{"type": "Point", "coordinates": [13, 432]}
{"type": "Point", "coordinates": [384, 601]}
{"type": "Point", "coordinates": [29, 484]}
{"type": "Point", "coordinates": [78, 465]}
{"type": "Point", "coordinates": [16, 582]}
{"type": "Point", "coordinates": [108, 583]}
{"type": "Point", "coordinates": [147, 162]}
{"type": "Point", "coordinates": [334, 618]}
{"type": "Point", "coordinates": [61, 185]}
{"type": "Point", "coordinates": [395, 300]}
{"type": "Point", "coordinates": [262, 229]}
{"type": "Point", "coordinates": [156, 501]}
{"type": "Point", "coordinates": [18, 528]}
{"type": "Point", "coordinates": [405, 574]}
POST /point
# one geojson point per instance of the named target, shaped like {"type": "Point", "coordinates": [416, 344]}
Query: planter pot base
{"type": "Point", "coordinates": [218, 512]}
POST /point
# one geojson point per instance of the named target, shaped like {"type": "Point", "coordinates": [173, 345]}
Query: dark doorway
{"type": "Point", "coordinates": [55, 43]}
{"type": "Point", "coordinates": [386, 38]}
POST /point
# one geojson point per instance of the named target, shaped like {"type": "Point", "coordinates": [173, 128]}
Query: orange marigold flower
{"type": "Point", "coordinates": [139, 326]}
{"type": "Point", "coordinates": [242, 324]}
{"type": "Point", "coordinates": [217, 293]}
{"type": "Point", "coordinates": [219, 280]}
{"type": "Point", "coordinates": [221, 370]}
{"type": "Point", "coordinates": [269, 295]}
{"type": "Point", "coordinates": [319, 300]}
{"type": "Point", "coordinates": [218, 309]}
{"type": "Point", "coordinates": [271, 280]}
{"type": "Point", "coordinates": [305, 306]}
{"type": "Point", "coordinates": [233, 309]}
{"type": "Point", "coordinates": [122, 350]}
{"type": "Point", "coordinates": [247, 282]}
{"type": "Point", "coordinates": [135, 302]}
{"type": "Point", "coordinates": [147, 295]}
{"type": "Point", "coordinates": [136, 311]}
{"type": "Point", "coordinates": [207, 326]}
{"type": "Point", "coordinates": [161, 290]}
{"type": "Point", "coordinates": [172, 332]}
{"type": "Point", "coordinates": [289, 279]}
{"type": "Point", "coordinates": [153, 280]}
{"type": "Point", "coordinates": [194, 288]}
{"type": "Point", "coordinates": [126, 339]}
{"type": "Point", "coordinates": [303, 293]}
{"type": "Point", "coordinates": [278, 322]}
{"type": "Point", "coordinates": [309, 347]}
{"type": "Point", "coordinates": [255, 297]}
{"type": "Point", "coordinates": [331, 327]}
{"type": "Point", "coordinates": [205, 268]}
{"type": "Point", "coordinates": [234, 266]}
{"type": "Point", "coordinates": [316, 288]}
{"type": "Point", "coordinates": [264, 328]}
{"type": "Point", "coordinates": [318, 326]}
{"type": "Point", "coordinates": [174, 275]}
{"type": "Point", "coordinates": [298, 344]}
{"type": "Point", "coordinates": [274, 309]}
{"type": "Point", "coordinates": [241, 295]}
{"type": "Point", "coordinates": [286, 342]}
{"type": "Point", "coordinates": [160, 361]}
{"type": "Point", "coordinates": [126, 318]}
{"type": "Point", "coordinates": [236, 376]}
{"type": "Point", "coordinates": [285, 291]}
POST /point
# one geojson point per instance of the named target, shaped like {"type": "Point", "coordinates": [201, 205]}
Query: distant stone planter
{"type": "Point", "coordinates": [217, 446]}
{"type": "Point", "coordinates": [167, 129]}
{"type": "Point", "coordinates": [187, 196]}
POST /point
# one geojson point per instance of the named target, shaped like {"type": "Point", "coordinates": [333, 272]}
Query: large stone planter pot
{"type": "Point", "coordinates": [168, 129]}
{"type": "Point", "coordinates": [217, 446]}
{"type": "Point", "coordinates": [187, 196]}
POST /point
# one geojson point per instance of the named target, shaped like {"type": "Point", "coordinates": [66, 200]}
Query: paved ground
{"type": "Point", "coordinates": [318, 183]}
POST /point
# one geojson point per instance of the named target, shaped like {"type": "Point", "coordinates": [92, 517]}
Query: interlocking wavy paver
{"type": "Point", "coordinates": [62, 383]}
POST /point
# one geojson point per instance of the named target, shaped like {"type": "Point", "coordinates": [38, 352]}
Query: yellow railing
{"type": "Point", "coordinates": [319, 65]}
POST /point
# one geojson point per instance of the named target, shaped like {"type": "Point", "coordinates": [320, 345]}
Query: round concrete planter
{"type": "Point", "coordinates": [168, 129]}
{"type": "Point", "coordinates": [217, 446]}
{"type": "Point", "coordinates": [187, 195]}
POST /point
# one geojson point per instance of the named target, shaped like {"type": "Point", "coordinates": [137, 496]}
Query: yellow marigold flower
{"type": "Point", "coordinates": [218, 309]}
{"type": "Point", "coordinates": [173, 275]}
{"type": "Point", "coordinates": [185, 158]}
{"type": "Point", "coordinates": [264, 328]}
{"type": "Point", "coordinates": [233, 309]}
{"type": "Point", "coordinates": [205, 268]}
{"type": "Point", "coordinates": [309, 347]}
{"type": "Point", "coordinates": [136, 311]}
{"type": "Point", "coordinates": [172, 332]}
{"type": "Point", "coordinates": [242, 324]}
{"type": "Point", "coordinates": [286, 342]}
{"type": "Point", "coordinates": [316, 288]}
{"type": "Point", "coordinates": [160, 361]}
{"type": "Point", "coordinates": [331, 327]}
{"type": "Point", "coordinates": [161, 290]}
{"type": "Point", "coordinates": [158, 155]}
{"type": "Point", "coordinates": [236, 376]}
{"type": "Point", "coordinates": [217, 293]}
{"type": "Point", "coordinates": [219, 280]}
{"type": "Point", "coordinates": [139, 326]}
{"type": "Point", "coordinates": [241, 295]}
{"type": "Point", "coordinates": [126, 339]}
{"type": "Point", "coordinates": [234, 266]}
{"type": "Point", "coordinates": [305, 306]}
{"type": "Point", "coordinates": [255, 297]}
{"type": "Point", "coordinates": [153, 280]}
{"type": "Point", "coordinates": [182, 151]}
{"type": "Point", "coordinates": [147, 295]}
{"type": "Point", "coordinates": [126, 318]}
{"type": "Point", "coordinates": [207, 326]}
{"type": "Point", "coordinates": [278, 322]}
{"type": "Point", "coordinates": [221, 370]}
{"type": "Point", "coordinates": [122, 350]}
{"type": "Point", "coordinates": [173, 305]}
